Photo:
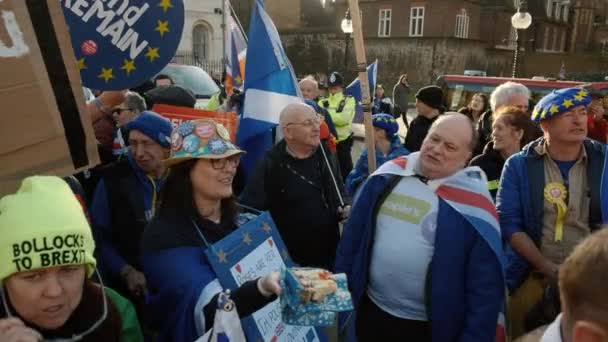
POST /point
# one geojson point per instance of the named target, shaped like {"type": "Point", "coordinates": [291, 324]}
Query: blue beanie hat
{"type": "Point", "coordinates": [154, 126]}
{"type": "Point", "coordinates": [560, 101]}
{"type": "Point", "coordinates": [386, 122]}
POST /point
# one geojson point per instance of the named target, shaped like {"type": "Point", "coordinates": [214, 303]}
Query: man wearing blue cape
{"type": "Point", "coordinates": [422, 248]}
{"type": "Point", "coordinates": [551, 196]}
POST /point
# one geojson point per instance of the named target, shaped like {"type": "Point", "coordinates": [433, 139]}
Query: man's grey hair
{"type": "Point", "coordinates": [474, 134]}
{"type": "Point", "coordinates": [135, 102]}
{"type": "Point", "coordinates": [311, 79]}
{"type": "Point", "coordinates": [501, 95]}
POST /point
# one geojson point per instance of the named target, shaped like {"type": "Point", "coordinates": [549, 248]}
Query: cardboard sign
{"type": "Point", "coordinates": [177, 115]}
{"type": "Point", "coordinates": [255, 249]}
{"type": "Point", "coordinates": [121, 43]}
{"type": "Point", "coordinates": [44, 128]}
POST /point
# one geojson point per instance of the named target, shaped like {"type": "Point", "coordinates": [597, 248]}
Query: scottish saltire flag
{"type": "Point", "coordinates": [354, 89]}
{"type": "Point", "coordinates": [226, 325]}
{"type": "Point", "coordinates": [270, 85]}
{"type": "Point", "coordinates": [235, 50]}
{"type": "Point", "coordinates": [466, 191]}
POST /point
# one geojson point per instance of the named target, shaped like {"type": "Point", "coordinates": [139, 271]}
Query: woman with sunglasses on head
{"type": "Point", "coordinates": [46, 248]}
{"type": "Point", "coordinates": [197, 209]}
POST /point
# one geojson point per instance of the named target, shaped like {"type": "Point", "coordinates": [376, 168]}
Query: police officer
{"type": "Point", "coordinates": [341, 108]}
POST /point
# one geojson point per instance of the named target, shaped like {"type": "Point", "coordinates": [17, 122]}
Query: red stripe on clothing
{"type": "Point", "coordinates": [467, 197]}
{"type": "Point", "coordinates": [401, 162]}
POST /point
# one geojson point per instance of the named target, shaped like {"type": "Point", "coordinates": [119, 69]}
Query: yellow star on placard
{"type": "Point", "coordinates": [81, 64]}
{"type": "Point", "coordinates": [579, 97]}
{"type": "Point", "coordinates": [543, 114]}
{"type": "Point", "coordinates": [162, 27]}
{"type": "Point", "coordinates": [554, 109]}
{"type": "Point", "coordinates": [567, 104]}
{"type": "Point", "coordinates": [165, 4]}
{"type": "Point", "coordinates": [106, 74]}
{"type": "Point", "coordinates": [247, 239]}
{"type": "Point", "coordinates": [266, 227]}
{"type": "Point", "coordinates": [128, 66]}
{"type": "Point", "coordinates": [152, 54]}
{"type": "Point", "coordinates": [221, 255]}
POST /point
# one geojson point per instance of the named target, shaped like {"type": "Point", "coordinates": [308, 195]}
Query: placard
{"type": "Point", "coordinates": [177, 115]}
{"type": "Point", "coordinates": [121, 43]}
{"type": "Point", "coordinates": [255, 249]}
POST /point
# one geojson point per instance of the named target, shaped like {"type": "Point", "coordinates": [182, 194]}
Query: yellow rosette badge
{"type": "Point", "coordinates": [555, 193]}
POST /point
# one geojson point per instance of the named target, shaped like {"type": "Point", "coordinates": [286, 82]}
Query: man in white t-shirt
{"type": "Point", "coordinates": [422, 249]}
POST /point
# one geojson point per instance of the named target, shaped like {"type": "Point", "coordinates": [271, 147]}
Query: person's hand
{"type": "Point", "coordinates": [13, 330]}
{"type": "Point", "coordinates": [550, 271]}
{"type": "Point", "coordinates": [136, 281]}
{"type": "Point", "coordinates": [269, 285]}
{"type": "Point", "coordinates": [343, 213]}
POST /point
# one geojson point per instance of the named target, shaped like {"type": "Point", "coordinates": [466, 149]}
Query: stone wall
{"type": "Point", "coordinates": [423, 59]}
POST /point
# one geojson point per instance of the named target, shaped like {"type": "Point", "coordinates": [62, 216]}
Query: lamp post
{"type": "Point", "coordinates": [347, 28]}
{"type": "Point", "coordinates": [520, 21]}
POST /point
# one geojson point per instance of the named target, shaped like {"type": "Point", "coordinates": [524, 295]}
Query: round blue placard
{"type": "Point", "coordinates": [121, 43]}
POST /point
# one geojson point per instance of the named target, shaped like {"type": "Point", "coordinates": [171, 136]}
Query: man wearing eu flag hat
{"type": "Point", "coordinates": [550, 198]}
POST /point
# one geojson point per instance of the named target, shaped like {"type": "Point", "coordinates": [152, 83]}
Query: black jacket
{"type": "Point", "coordinates": [491, 162]}
{"type": "Point", "coordinates": [302, 200]}
{"type": "Point", "coordinates": [419, 127]}
{"type": "Point", "coordinates": [484, 131]}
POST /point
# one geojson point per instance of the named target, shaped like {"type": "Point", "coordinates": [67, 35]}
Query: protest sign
{"type": "Point", "coordinates": [45, 128]}
{"type": "Point", "coordinates": [121, 43]}
{"type": "Point", "coordinates": [177, 115]}
{"type": "Point", "coordinates": [255, 249]}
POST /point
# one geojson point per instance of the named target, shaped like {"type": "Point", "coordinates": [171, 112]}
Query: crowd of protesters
{"type": "Point", "coordinates": [482, 225]}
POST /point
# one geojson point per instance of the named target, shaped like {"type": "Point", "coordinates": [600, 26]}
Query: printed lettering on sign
{"type": "Point", "coordinates": [16, 47]}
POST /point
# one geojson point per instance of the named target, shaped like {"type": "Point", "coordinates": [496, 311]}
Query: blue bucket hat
{"type": "Point", "coordinates": [560, 101]}
{"type": "Point", "coordinates": [386, 122]}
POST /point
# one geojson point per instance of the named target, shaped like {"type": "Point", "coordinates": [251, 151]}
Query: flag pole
{"type": "Point", "coordinates": [237, 21]}
{"type": "Point", "coordinates": [365, 91]}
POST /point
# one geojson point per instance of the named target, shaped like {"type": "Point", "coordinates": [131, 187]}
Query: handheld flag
{"type": "Point", "coordinates": [354, 89]}
{"type": "Point", "coordinates": [235, 51]}
{"type": "Point", "coordinates": [227, 324]}
{"type": "Point", "coordinates": [270, 85]}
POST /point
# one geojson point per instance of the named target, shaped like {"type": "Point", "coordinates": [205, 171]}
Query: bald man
{"type": "Point", "coordinates": [422, 248]}
{"type": "Point", "coordinates": [299, 186]}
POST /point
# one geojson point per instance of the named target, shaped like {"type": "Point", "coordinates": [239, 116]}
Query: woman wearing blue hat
{"type": "Point", "coordinates": [388, 147]}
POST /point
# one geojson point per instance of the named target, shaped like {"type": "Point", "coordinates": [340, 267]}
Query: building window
{"type": "Point", "coordinates": [512, 42]}
{"type": "Point", "coordinates": [416, 21]}
{"type": "Point", "coordinates": [546, 39]}
{"type": "Point", "coordinates": [384, 23]}
{"type": "Point", "coordinates": [200, 41]}
{"type": "Point", "coordinates": [555, 33]}
{"type": "Point", "coordinates": [563, 43]}
{"type": "Point", "coordinates": [462, 25]}
{"type": "Point", "coordinates": [516, 3]}
{"type": "Point", "coordinates": [565, 10]}
{"type": "Point", "coordinates": [604, 47]}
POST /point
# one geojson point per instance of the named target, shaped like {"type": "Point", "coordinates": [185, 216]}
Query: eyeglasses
{"type": "Point", "coordinates": [308, 123]}
{"type": "Point", "coordinates": [220, 164]}
{"type": "Point", "coordinates": [120, 110]}
{"type": "Point", "coordinates": [75, 337]}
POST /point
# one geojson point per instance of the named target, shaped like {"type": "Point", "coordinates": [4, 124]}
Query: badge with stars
{"type": "Point", "coordinates": [120, 44]}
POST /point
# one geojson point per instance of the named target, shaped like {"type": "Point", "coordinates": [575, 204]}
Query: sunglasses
{"type": "Point", "coordinates": [120, 110]}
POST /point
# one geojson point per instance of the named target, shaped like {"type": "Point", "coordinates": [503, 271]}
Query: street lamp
{"type": "Point", "coordinates": [520, 21]}
{"type": "Point", "coordinates": [347, 28]}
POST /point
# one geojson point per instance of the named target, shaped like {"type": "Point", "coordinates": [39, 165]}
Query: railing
{"type": "Point", "coordinates": [213, 67]}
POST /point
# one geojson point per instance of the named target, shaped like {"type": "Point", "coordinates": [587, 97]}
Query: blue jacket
{"type": "Point", "coordinates": [361, 171]}
{"type": "Point", "coordinates": [466, 283]}
{"type": "Point", "coordinates": [520, 199]}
